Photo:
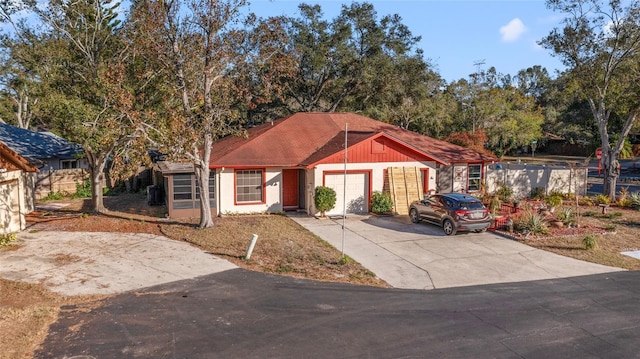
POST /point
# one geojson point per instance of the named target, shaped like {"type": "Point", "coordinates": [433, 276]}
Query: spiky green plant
{"type": "Point", "coordinates": [530, 222]}
{"type": "Point", "coordinates": [566, 215]}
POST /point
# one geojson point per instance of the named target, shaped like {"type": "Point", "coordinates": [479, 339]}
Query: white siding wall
{"type": "Point", "coordinates": [314, 176]}
{"type": "Point", "coordinates": [12, 208]}
{"type": "Point", "coordinates": [273, 187]}
{"type": "Point", "coordinates": [226, 190]}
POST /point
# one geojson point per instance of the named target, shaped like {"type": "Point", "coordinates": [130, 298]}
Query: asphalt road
{"type": "Point", "coordinates": [243, 314]}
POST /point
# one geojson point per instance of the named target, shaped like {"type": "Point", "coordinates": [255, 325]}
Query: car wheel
{"type": "Point", "coordinates": [415, 217]}
{"type": "Point", "coordinates": [448, 227]}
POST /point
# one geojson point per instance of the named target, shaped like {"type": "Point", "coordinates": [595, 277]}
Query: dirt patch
{"type": "Point", "coordinates": [283, 247]}
{"type": "Point", "coordinates": [26, 311]}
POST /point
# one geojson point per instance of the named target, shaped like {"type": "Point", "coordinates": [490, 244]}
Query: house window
{"type": "Point", "coordinates": [68, 164]}
{"type": "Point", "coordinates": [249, 187]}
{"type": "Point", "coordinates": [212, 186]}
{"type": "Point", "coordinates": [182, 187]}
{"type": "Point", "coordinates": [474, 175]}
{"type": "Point", "coordinates": [186, 193]}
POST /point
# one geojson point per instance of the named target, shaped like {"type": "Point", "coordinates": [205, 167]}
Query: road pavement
{"type": "Point", "coordinates": [243, 314]}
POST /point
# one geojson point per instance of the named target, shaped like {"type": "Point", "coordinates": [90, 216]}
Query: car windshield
{"type": "Point", "coordinates": [471, 205]}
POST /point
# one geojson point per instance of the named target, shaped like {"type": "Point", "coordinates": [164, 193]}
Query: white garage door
{"type": "Point", "coordinates": [357, 194]}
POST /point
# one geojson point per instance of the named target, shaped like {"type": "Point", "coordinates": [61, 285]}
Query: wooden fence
{"type": "Point", "coordinates": [64, 181]}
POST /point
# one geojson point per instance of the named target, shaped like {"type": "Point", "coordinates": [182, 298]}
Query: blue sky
{"type": "Point", "coordinates": [459, 34]}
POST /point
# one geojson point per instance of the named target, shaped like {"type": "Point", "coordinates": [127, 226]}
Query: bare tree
{"type": "Point", "coordinates": [600, 43]}
{"type": "Point", "coordinates": [196, 47]}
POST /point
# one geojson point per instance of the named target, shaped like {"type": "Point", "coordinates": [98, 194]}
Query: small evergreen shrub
{"type": "Point", "coordinates": [504, 193]}
{"type": "Point", "coordinates": [590, 242]}
{"type": "Point", "coordinates": [324, 198]}
{"type": "Point", "coordinates": [381, 202]}
{"type": "Point", "coordinates": [494, 204]}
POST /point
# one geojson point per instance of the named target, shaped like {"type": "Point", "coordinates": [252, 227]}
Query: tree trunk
{"type": "Point", "coordinates": [202, 175]}
{"type": "Point", "coordinates": [96, 169]}
{"type": "Point", "coordinates": [611, 171]}
{"type": "Point", "coordinates": [97, 203]}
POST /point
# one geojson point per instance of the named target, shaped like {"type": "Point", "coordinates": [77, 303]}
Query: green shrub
{"type": "Point", "coordinates": [537, 193]}
{"type": "Point", "coordinates": [585, 201]}
{"type": "Point", "coordinates": [530, 222]}
{"type": "Point", "coordinates": [83, 190]}
{"type": "Point", "coordinates": [554, 200]}
{"type": "Point", "coordinates": [324, 198]}
{"type": "Point", "coordinates": [612, 215]}
{"type": "Point", "coordinates": [53, 196]}
{"type": "Point", "coordinates": [590, 242]}
{"type": "Point", "coordinates": [610, 227]}
{"type": "Point", "coordinates": [623, 199]}
{"type": "Point", "coordinates": [589, 214]}
{"type": "Point", "coordinates": [7, 239]}
{"type": "Point", "coordinates": [601, 199]}
{"type": "Point", "coordinates": [494, 204]}
{"type": "Point", "coordinates": [381, 202]}
{"type": "Point", "coordinates": [634, 197]}
{"type": "Point", "coordinates": [504, 193]}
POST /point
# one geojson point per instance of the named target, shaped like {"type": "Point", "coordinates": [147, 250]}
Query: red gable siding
{"type": "Point", "coordinates": [378, 149]}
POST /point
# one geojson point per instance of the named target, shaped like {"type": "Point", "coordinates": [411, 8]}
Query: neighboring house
{"type": "Point", "coordinates": [278, 165]}
{"type": "Point", "coordinates": [60, 162]}
{"type": "Point", "coordinates": [44, 150]}
{"type": "Point", "coordinates": [16, 194]}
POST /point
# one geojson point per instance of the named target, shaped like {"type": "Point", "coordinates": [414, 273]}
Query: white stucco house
{"type": "Point", "coordinates": [16, 190]}
{"type": "Point", "coordinates": [278, 165]}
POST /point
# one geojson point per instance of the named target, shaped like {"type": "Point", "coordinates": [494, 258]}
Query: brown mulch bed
{"type": "Point", "coordinates": [616, 231]}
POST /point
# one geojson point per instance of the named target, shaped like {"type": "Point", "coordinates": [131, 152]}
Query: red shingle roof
{"type": "Point", "coordinates": [304, 138]}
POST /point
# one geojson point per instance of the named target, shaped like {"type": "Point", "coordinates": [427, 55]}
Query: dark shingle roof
{"type": "Point", "coordinates": [36, 146]}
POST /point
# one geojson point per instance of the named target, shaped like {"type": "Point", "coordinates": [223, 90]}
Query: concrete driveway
{"type": "Point", "coordinates": [420, 256]}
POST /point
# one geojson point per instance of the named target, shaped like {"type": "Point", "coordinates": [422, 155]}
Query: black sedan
{"type": "Point", "coordinates": [453, 212]}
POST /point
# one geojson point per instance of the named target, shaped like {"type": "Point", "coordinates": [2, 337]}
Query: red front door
{"type": "Point", "coordinates": [290, 189]}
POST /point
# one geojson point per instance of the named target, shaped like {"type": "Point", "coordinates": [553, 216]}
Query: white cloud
{"type": "Point", "coordinates": [512, 31]}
